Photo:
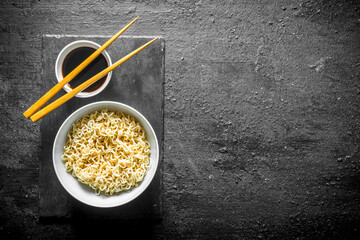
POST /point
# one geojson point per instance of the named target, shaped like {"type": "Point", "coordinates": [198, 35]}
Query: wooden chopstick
{"type": "Point", "coordinates": [84, 85]}
{"type": "Point", "coordinates": [36, 106]}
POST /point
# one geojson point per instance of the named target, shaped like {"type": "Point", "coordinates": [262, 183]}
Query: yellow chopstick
{"type": "Point", "coordinates": [36, 106]}
{"type": "Point", "coordinates": [84, 85]}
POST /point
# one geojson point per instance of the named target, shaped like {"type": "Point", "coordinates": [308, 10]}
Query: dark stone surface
{"type": "Point", "coordinates": [261, 114]}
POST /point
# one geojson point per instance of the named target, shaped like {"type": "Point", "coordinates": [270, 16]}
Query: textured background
{"type": "Point", "coordinates": [262, 118]}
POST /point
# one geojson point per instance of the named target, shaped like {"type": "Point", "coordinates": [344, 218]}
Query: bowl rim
{"type": "Point", "coordinates": [143, 185]}
{"type": "Point", "coordinates": [72, 46]}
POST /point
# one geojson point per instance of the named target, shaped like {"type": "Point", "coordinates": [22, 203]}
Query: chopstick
{"type": "Point", "coordinates": [36, 106]}
{"type": "Point", "coordinates": [84, 85]}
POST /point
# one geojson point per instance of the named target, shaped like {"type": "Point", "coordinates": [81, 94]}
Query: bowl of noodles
{"type": "Point", "coordinates": [105, 154]}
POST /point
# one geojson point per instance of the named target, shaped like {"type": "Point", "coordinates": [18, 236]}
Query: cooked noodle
{"type": "Point", "coordinates": [107, 151]}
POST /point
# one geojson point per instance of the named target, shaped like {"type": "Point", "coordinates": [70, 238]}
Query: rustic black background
{"type": "Point", "coordinates": [261, 116]}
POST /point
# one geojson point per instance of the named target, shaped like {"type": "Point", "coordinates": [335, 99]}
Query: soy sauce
{"type": "Point", "coordinates": [77, 56]}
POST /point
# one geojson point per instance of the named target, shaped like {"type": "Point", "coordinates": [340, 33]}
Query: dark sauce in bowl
{"type": "Point", "coordinates": [77, 56]}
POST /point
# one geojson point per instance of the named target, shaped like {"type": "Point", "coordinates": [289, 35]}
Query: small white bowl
{"type": "Point", "coordinates": [83, 192]}
{"type": "Point", "coordinates": [65, 51]}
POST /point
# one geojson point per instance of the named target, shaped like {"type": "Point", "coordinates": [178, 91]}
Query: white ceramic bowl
{"type": "Point", "coordinates": [66, 50]}
{"type": "Point", "coordinates": [83, 192]}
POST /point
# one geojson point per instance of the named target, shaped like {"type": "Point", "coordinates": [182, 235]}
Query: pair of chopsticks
{"type": "Point", "coordinates": [36, 106]}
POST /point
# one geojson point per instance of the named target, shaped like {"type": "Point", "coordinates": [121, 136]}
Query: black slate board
{"type": "Point", "coordinates": [138, 83]}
